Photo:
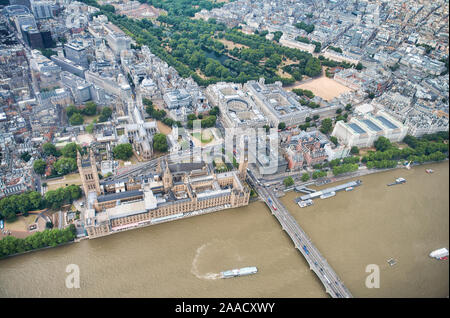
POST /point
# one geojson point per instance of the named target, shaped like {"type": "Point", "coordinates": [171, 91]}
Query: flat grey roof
{"type": "Point", "coordinates": [371, 125]}
{"type": "Point", "coordinates": [119, 195]}
{"type": "Point", "coordinates": [356, 128]}
{"type": "Point", "coordinates": [386, 122]}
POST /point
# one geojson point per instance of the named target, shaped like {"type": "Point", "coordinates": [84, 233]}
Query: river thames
{"type": "Point", "coordinates": [368, 225]}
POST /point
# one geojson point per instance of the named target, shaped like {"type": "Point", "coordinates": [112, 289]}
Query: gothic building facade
{"type": "Point", "coordinates": [174, 191]}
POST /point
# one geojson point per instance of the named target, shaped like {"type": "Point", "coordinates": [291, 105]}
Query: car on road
{"type": "Point", "coordinates": [305, 249]}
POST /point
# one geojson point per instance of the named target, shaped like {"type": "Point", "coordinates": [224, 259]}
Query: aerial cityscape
{"type": "Point", "coordinates": [154, 148]}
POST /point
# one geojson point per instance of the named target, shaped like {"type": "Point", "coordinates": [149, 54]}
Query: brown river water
{"type": "Point", "coordinates": [368, 225]}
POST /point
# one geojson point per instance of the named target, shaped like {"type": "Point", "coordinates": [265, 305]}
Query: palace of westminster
{"type": "Point", "coordinates": [174, 191]}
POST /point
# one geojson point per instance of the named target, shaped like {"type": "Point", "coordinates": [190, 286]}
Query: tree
{"type": "Point", "coordinates": [371, 95]}
{"type": "Point", "coordinates": [289, 181]}
{"type": "Point", "coordinates": [70, 110]}
{"type": "Point", "coordinates": [49, 149]}
{"type": "Point", "coordinates": [354, 150]}
{"type": "Point", "coordinates": [147, 102]}
{"type": "Point", "coordinates": [35, 200]}
{"type": "Point", "coordinates": [307, 27]}
{"type": "Point", "coordinates": [334, 140]}
{"type": "Point", "coordinates": [313, 67]}
{"type": "Point", "coordinates": [123, 151]}
{"type": "Point", "coordinates": [160, 142]}
{"type": "Point", "coordinates": [303, 92]}
{"type": "Point", "coordinates": [282, 126]}
{"type": "Point", "coordinates": [209, 121]}
{"type": "Point", "coordinates": [39, 166]}
{"type": "Point", "coordinates": [319, 174]}
{"type": "Point", "coordinates": [277, 35]}
{"type": "Point", "coordinates": [336, 49]}
{"type": "Point", "coordinates": [90, 128]}
{"type": "Point", "coordinates": [50, 237]}
{"type": "Point", "coordinates": [54, 199]}
{"type": "Point", "coordinates": [302, 39]}
{"type": "Point", "coordinates": [318, 46]}
{"type": "Point", "coordinates": [105, 114]}
{"type": "Point", "coordinates": [359, 66]}
{"type": "Point", "coordinates": [305, 177]}
{"type": "Point", "coordinates": [348, 107]}
{"type": "Point", "coordinates": [25, 156]}
{"type": "Point", "coordinates": [70, 150]}
{"type": "Point", "coordinates": [348, 167]}
{"type": "Point", "coordinates": [65, 165]}
{"type": "Point", "coordinates": [48, 52]}
{"type": "Point", "coordinates": [214, 111]}
{"type": "Point", "coordinates": [90, 109]}
{"type": "Point", "coordinates": [76, 119]}
{"type": "Point", "coordinates": [326, 126]}
{"type": "Point", "coordinates": [382, 144]}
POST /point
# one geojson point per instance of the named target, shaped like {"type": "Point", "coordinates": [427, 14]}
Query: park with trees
{"type": "Point", "coordinates": [194, 48]}
{"type": "Point", "coordinates": [11, 245]}
{"type": "Point", "coordinates": [66, 162]}
{"type": "Point", "coordinates": [21, 204]}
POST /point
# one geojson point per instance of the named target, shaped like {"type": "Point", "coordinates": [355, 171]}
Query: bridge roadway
{"type": "Point", "coordinates": [317, 263]}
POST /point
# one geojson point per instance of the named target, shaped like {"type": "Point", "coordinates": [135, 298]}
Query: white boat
{"type": "Point", "coordinates": [441, 253]}
{"type": "Point", "coordinates": [328, 195]}
{"type": "Point", "coordinates": [305, 203]}
{"type": "Point", "coordinates": [349, 189]}
{"type": "Point", "coordinates": [239, 272]}
{"type": "Point", "coordinates": [429, 170]}
{"type": "Point", "coordinates": [397, 181]}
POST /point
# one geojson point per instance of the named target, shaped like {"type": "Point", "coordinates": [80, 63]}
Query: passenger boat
{"type": "Point", "coordinates": [440, 254]}
{"type": "Point", "coordinates": [239, 272]}
{"type": "Point", "coordinates": [305, 203]}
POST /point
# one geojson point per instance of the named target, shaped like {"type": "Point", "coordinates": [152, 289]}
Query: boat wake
{"type": "Point", "coordinates": [194, 268]}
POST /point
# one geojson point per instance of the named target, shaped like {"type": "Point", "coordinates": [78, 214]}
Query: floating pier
{"type": "Point", "coordinates": [326, 191]}
{"type": "Point", "coordinates": [304, 190]}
